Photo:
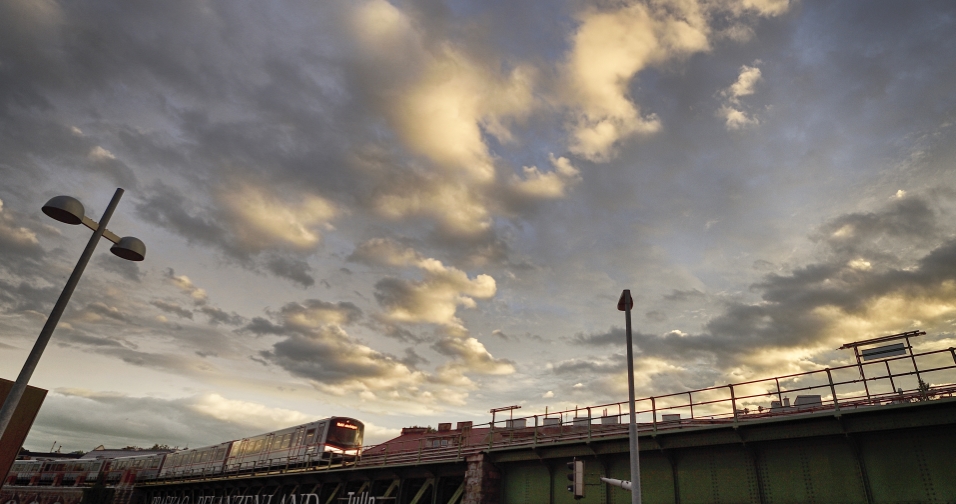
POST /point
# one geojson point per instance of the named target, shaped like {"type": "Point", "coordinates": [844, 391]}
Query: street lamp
{"type": "Point", "coordinates": [624, 304]}
{"type": "Point", "coordinates": [70, 211]}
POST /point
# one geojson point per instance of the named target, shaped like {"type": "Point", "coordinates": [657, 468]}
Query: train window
{"type": "Point", "coordinates": [286, 441]}
{"type": "Point", "coordinates": [309, 436]}
{"type": "Point", "coordinates": [344, 434]}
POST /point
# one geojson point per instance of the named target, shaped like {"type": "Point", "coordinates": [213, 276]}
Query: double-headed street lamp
{"type": "Point", "coordinates": [70, 211]}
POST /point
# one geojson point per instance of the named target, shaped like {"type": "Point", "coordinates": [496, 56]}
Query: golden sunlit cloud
{"type": "Point", "coordinates": [547, 185]}
{"type": "Point", "coordinates": [611, 47]}
{"type": "Point", "coordinates": [441, 103]}
{"type": "Point", "coordinates": [245, 412]}
{"type": "Point", "coordinates": [263, 218]}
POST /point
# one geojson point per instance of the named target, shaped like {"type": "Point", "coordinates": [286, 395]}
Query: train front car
{"type": "Point", "coordinates": [318, 443]}
{"type": "Point", "coordinates": [343, 440]}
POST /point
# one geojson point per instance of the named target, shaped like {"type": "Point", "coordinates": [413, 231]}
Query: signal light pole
{"type": "Point", "coordinates": [624, 304]}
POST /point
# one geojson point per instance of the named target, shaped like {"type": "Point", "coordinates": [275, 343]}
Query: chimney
{"type": "Point", "coordinates": [464, 426]}
{"type": "Point", "coordinates": [444, 427]}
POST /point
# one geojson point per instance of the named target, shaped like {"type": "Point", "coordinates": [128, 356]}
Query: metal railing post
{"type": "Point", "coordinates": [913, 358]}
{"type": "Point", "coordinates": [654, 414]}
{"type": "Point", "coordinates": [690, 399]}
{"type": "Point", "coordinates": [733, 401]}
{"type": "Point", "coordinates": [890, 375]}
{"type": "Point", "coordinates": [589, 423]}
{"type": "Point", "coordinates": [836, 403]}
{"type": "Point", "coordinates": [535, 441]}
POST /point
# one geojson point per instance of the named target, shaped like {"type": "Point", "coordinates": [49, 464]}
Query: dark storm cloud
{"type": "Point", "coordinates": [316, 347]}
{"type": "Point", "coordinates": [296, 270]}
{"type": "Point", "coordinates": [218, 316]}
{"type": "Point", "coordinates": [910, 219]}
{"type": "Point", "coordinates": [261, 326]}
{"type": "Point", "coordinates": [612, 364]}
{"type": "Point", "coordinates": [164, 206]}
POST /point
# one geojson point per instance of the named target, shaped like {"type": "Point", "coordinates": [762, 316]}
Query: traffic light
{"type": "Point", "coordinates": [577, 478]}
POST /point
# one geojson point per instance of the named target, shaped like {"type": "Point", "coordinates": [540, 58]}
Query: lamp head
{"type": "Point", "coordinates": [129, 248]}
{"type": "Point", "coordinates": [65, 209]}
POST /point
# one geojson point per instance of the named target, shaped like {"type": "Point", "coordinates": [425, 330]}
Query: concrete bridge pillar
{"type": "Point", "coordinates": [482, 481]}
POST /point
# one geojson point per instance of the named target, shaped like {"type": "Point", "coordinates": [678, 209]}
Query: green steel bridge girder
{"type": "Point", "coordinates": [897, 453]}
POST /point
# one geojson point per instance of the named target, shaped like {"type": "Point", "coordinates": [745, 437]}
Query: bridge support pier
{"type": "Point", "coordinates": [482, 481]}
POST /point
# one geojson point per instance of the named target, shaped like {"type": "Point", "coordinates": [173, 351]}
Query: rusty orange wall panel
{"type": "Point", "coordinates": [20, 424]}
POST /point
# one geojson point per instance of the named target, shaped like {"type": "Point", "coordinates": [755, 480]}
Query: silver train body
{"type": "Point", "coordinates": [328, 441]}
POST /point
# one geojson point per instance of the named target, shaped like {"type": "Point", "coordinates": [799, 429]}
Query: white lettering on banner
{"type": "Point", "coordinates": [362, 498]}
{"type": "Point", "coordinates": [306, 498]}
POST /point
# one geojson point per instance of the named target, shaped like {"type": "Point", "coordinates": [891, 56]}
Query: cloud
{"type": "Point", "coordinates": [806, 313]}
{"type": "Point", "coordinates": [386, 252]}
{"type": "Point", "coordinates": [611, 46]}
{"type": "Point", "coordinates": [744, 86]}
{"type": "Point", "coordinates": [546, 185]}
{"type": "Point", "coordinates": [251, 225]}
{"type": "Point", "coordinates": [219, 316]}
{"type": "Point", "coordinates": [684, 295]}
{"type": "Point", "coordinates": [186, 285]}
{"type": "Point", "coordinates": [99, 312]}
{"type": "Point", "coordinates": [294, 269]}
{"type": "Point", "coordinates": [470, 356]}
{"type": "Point", "coordinates": [173, 308]}
{"type": "Point", "coordinates": [76, 416]}
{"type": "Point", "coordinates": [441, 102]}
{"type": "Point", "coordinates": [128, 270]}
{"type": "Point", "coordinates": [17, 237]}
{"type": "Point", "coordinates": [318, 348]}
{"type": "Point", "coordinates": [262, 219]}
{"type": "Point", "coordinates": [434, 299]}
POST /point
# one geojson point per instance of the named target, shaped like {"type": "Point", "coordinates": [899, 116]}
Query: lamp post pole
{"type": "Point", "coordinates": [625, 304]}
{"type": "Point", "coordinates": [13, 398]}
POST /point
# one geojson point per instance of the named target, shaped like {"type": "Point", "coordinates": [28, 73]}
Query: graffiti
{"type": "Point", "coordinates": [303, 498]}
{"type": "Point", "coordinates": [41, 496]}
{"type": "Point", "coordinates": [362, 498]}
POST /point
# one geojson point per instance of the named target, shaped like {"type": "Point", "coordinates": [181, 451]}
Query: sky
{"type": "Point", "coordinates": [411, 212]}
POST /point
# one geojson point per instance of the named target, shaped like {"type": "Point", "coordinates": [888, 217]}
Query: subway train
{"type": "Point", "coordinates": [328, 441]}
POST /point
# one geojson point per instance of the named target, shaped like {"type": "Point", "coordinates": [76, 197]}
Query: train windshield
{"type": "Point", "coordinates": [345, 433]}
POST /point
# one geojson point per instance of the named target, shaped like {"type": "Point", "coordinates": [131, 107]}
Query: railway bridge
{"type": "Point", "coordinates": [882, 431]}
{"type": "Point", "coordinates": [850, 434]}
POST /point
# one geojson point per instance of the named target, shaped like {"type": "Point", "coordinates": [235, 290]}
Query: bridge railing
{"type": "Point", "coordinates": [901, 379]}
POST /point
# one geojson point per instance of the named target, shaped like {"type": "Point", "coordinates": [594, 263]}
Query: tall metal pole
{"type": "Point", "coordinates": [625, 304]}
{"type": "Point", "coordinates": [13, 398]}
